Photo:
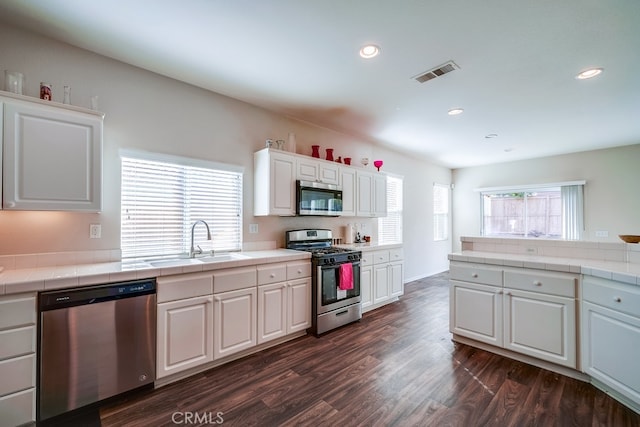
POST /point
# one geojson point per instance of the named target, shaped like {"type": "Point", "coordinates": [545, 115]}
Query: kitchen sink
{"type": "Point", "coordinates": [174, 262]}
{"type": "Point", "coordinates": [181, 262]}
{"type": "Point", "coordinates": [223, 257]}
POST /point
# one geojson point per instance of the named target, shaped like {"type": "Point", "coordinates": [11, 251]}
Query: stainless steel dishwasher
{"type": "Point", "coordinates": [94, 343]}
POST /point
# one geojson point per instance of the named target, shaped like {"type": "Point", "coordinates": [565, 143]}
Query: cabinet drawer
{"type": "Point", "coordinates": [614, 295]}
{"type": "Point", "coordinates": [367, 259]}
{"type": "Point", "coordinates": [17, 374]}
{"type": "Point", "coordinates": [18, 408]}
{"type": "Point", "coordinates": [476, 274]}
{"type": "Point", "coordinates": [17, 342]}
{"type": "Point", "coordinates": [396, 255]}
{"type": "Point", "coordinates": [172, 288]}
{"type": "Point", "coordinates": [17, 311]}
{"type": "Point", "coordinates": [272, 273]}
{"type": "Point", "coordinates": [553, 284]}
{"type": "Point", "coordinates": [232, 279]}
{"type": "Point", "coordinates": [298, 270]}
{"type": "Point", "coordinates": [380, 257]}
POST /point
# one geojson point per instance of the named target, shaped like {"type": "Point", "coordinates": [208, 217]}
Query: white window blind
{"type": "Point", "coordinates": [390, 227]}
{"type": "Point", "coordinates": [440, 212]}
{"type": "Point", "coordinates": [161, 200]}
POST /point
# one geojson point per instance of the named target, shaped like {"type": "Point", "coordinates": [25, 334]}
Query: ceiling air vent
{"type": "Point", "coordinates": [436, 72]}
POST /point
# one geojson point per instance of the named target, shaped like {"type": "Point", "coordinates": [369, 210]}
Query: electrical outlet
{"type": "Point", "coordinates": [253, 228]}
{"type": "Point", "coordinates": [602, 233]}
{"type": "Point", "coordinates": [95, 231]}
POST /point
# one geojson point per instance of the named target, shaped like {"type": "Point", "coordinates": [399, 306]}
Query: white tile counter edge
{"type": "Point", "coordinates": [69, 276]}
{"type": "Point", "coordinates": [620, 271]}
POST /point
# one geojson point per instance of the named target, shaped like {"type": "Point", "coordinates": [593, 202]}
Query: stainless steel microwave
{"type": "Point", "coordinates": [318, 198]}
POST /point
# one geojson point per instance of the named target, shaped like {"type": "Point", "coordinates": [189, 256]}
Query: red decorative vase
{"type": "Point", "coordinates": [330, 154]}
{"type": "Point", "coordinates": [315, 151]}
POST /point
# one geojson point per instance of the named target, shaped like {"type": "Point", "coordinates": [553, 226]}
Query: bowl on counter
{"type": "Point", "coordinates": [630, 238]}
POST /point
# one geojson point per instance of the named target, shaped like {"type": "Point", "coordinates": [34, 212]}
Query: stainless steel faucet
{"type": "Point", "coordinates": [193, 251]}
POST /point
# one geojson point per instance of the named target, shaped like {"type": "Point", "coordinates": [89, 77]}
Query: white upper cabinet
{"type": "Point", "coordinates": [349, 191]}
{"type": "Point", "coordinates": [310, 169]}
{"type": "Point", "coordinates": [274, 183]}
{"type": "Point", "coordinates": [371, 200]}
{"type": "Point", "coordinates": [52, 156]}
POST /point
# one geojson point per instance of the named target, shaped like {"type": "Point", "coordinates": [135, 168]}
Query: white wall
{"type": "Point", "coordinates": [150, 112]}
{"type": "Point", "coordinates": [611, 195]}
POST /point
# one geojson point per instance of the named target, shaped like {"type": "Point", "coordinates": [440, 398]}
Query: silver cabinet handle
{"type": "Point", "coordinates": [537, 283]}
{"type": "Point", "coordinates": [617, 299]}
{"type": "Point", "coordinates": [474, 275]}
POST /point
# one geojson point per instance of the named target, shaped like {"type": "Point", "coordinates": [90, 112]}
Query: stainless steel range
{"type": "Point", "coordinates": [335, 279]}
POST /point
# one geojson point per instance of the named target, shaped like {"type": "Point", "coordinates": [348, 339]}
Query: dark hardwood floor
{"type": "Point", "coordinates": [398, 366]}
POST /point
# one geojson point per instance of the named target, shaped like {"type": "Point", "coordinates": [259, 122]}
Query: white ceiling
{"type": "Point", "coordinates": [518, 60]}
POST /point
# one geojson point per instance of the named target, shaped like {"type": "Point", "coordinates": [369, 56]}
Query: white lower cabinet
{"type": "Point", "coordinates": [611, 337]}
{"type": "Point", "coordinates": [234, 321]}
{"type": "Point", "coordinates": [17, 359]}
{"type": "Point", "coordinates": [184, 323]}
{"type": "Point", "coordinates": [185, 334]}
{"type": "Point", "coordinates": [381, 277]}
{"type": "Point", "coordinates": [476, 311]}
{"type": "Point", "coordinates": [528, 312]}
{"type": "Point", "coordinates": [284, 307]}
{"type": "Point", "coordinates": [366, 286]}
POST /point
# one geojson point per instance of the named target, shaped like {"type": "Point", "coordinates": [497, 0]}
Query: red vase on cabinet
{"type": "Point", "coordinates": [330, 154]}
{"type": "Point", "coordinates": [315, 151]}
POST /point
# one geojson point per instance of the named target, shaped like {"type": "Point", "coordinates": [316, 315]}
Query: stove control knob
{"type": "Point", "coordinates": [332, 260]}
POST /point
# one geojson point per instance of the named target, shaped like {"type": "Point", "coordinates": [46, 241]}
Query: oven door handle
{"type": "Point", "coordinates": [335, 266]}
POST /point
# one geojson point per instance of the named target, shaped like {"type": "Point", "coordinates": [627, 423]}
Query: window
{"type": "Point", "coordinates": [552, 211]}
{"type": "Point", "coordinates": [162, 196]}
{"type": "Point", "coordinates": [390, 227]}
{"type": "Point", "coordinates": [440, 212]}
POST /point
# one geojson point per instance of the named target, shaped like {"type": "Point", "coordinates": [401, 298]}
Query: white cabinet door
{"type": "Point", "coordinates": [610, 349]}
{"type": "Point", "coordinates": [307, 169]}
{"type": "Point", "coordinates": [274, 183]}
{"type": "Point", "coordinates": [52, 158]}
{"type": "Point", "coordinates": [364, 197]}
{"type": "Point", "coordinates": [379, 195]}
{"type": "Point", "coordinates": [328, 173]}
{"type": "Point", "coordinates": [299, 305]}
{"type": "Point", "coordinates": [185, 335]}
{"type": "Point", "coordinates": [540, 325]}
{"type": "Point", "coordinates": [235, 324]}
{"type": "Point", "coordinates": [348, 184]}
{"type": "Point", "coordinates": [366, 286]}
{"type": "Point", "coordinates": [272, 311]}
{"type": "Point", "coordinates": [476, 311]}
{"type": "Point", "coordinates": [396, 278]}
{"type": "Point", "coordinates": [381, 288]}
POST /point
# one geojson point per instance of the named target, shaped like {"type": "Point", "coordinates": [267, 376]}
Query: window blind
{"type": "Point", "coordinates": [390, 227]}
{"type": "Point", "coordinates": [161, 200]}
{"type": "Point", "coordinates": [440, 212]}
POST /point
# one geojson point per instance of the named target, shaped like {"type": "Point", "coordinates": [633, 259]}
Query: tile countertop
{"type": "Point", "coordinates": [620, 271]}
{"type": "Point", "coordinates": [371, 246]}
{"type": "Point", "coordinates": [69, 276]}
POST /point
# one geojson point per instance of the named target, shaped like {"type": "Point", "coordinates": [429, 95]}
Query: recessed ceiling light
{"type": "Point", "coordinates": [589, 73]}
{"type": "Point", "coordinates": [369, 51]}
{"type": "Point", "coordinates": [455, 111]}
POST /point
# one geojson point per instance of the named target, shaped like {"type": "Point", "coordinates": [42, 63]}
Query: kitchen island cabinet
{"type": "Point", "coordinates": [524, 311]}
{"type": "Point", "coordinates": [37, 134]}
{"type": "Point", "coordinates": [611, 337]}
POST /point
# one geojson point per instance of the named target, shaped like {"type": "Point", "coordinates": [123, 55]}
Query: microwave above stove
{"type": "Point", "coordinates": [318, 198]}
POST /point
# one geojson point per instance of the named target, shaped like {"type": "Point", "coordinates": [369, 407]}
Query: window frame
{"type": "Point", "coordinates": [191, 167]}
{"type": "Point", "coordinates": [577, 219]}
{"type": "Point", "coordinates": [445, 214]}
{"type": "Point", "coordinates": [393, 211]}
